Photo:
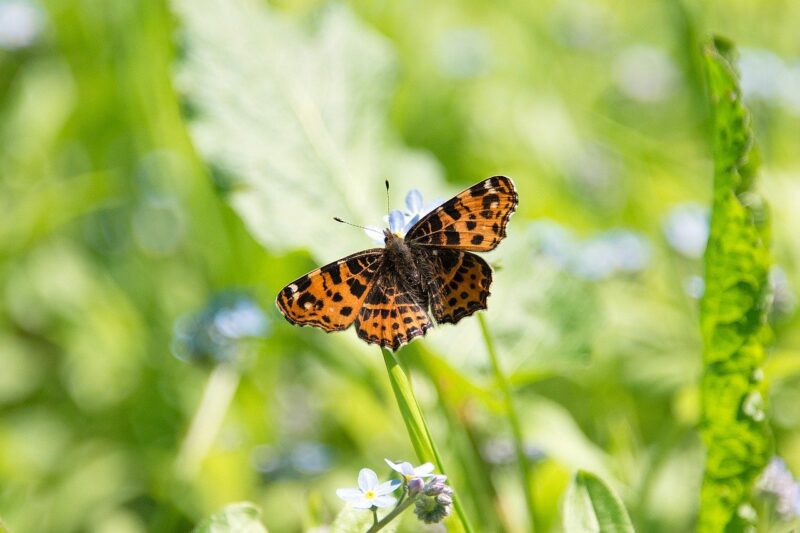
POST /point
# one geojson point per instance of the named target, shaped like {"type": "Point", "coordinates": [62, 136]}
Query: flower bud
{"type": "Point", "coordinates": [416, 485]}
{"type": "Point", "coordinates": [444, 499]}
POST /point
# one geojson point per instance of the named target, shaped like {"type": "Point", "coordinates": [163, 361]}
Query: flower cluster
{"type": "Point", "coordinates": [429, 493]}
{"type": "Point", "coordinates": [213, 334]}
{"type": "Point", "coordinates": [617, 251]}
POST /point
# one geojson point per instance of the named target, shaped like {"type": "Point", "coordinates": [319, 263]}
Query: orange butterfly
{"type": "Point", "coordinates": [389, 291]}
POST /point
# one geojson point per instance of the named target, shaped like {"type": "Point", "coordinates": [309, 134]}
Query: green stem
{"type": "Point", "coordinates": [417, 428]}
{"type": "Point", "coordinates": [377, 526]}
{"type": "Point", "coordinates": [513, 419]}
{"type": "Point", "coordinates": [210, 414]}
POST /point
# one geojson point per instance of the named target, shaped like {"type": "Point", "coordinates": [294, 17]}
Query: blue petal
{"type": "Point", "coordinates": [414, 201]}
{"type": "Point", "coordinates": [396, 221]}
{"type": "Point", "coordinates": [411, 221]}
{"type": "Point", "coordinates": [431, 206]}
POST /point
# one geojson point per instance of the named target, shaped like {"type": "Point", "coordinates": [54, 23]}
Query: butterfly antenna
{"type": "Point", "coordinates": [388, 209]}
{"type": "Point", "coordinates": [337, 219]}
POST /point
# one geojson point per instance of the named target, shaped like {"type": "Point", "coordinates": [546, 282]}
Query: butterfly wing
{"type": "Point", "coordinates": [389, 316]}
{"type": "Point", "coordinates": [459, 286]}
{"type": "Point", "coordinates": [473, 220]}
{"type": "Point", "coordinates": [331, 297]}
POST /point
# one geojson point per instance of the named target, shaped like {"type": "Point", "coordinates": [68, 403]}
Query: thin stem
{"type": "Point", "coordinates": [377, 526]}
{"type": "Point", "coordinates": [417, 428]}
{"type": "Point", "coordinates": [374, 516]}
{"type": "Point", "coordinates": [207, 420]}
{"type": "Point", "coordinates": [513, 419]}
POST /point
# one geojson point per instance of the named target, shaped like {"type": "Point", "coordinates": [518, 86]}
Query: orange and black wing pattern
{"type": "Point", "coordinates": [459, 286]}
{"type": "Point", "coordinates": [331, 297]}
{"type": "Point", "coordinates": [389, 316]}
{"type": "Point", "coordinates": [474, 220]}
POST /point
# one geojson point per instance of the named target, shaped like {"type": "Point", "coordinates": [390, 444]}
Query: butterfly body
{"type": "Point", "coordinates": [390, 293]}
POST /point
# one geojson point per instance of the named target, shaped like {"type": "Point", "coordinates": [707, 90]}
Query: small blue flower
{"type": "Point", "coordinates": [369, 493]}
{"type": "Point", "coordinates": [410, 472]}
{"type": "Point", "coordinates": [212, 334]}
{"type": "Point", "coordinates": [400, 222]}
{"type": "Point", "coordinates": [686, 229]}
{"type": "Point", "coordinates": [597, 258]}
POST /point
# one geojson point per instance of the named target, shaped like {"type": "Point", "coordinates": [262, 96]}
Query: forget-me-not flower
{"type": "Point", "coordinates": [410, 472]}
{"type": "Point", "coordinates": [401, 221]}
{"type": "Point", "coordinates": [369, 493]}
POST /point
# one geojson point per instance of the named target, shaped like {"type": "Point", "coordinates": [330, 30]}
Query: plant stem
{"type": "Point", "coordinates": [513, 419]}
{"type": "Point", "coordinates": [377, 526]}
{"type": "Point", "coordinates": [417, 428]}
{"type": "Point", "coordinates": [207, 420]}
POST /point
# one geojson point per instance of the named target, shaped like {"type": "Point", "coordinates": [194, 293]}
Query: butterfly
{"type": "Point", "coordinates": [391, 293]}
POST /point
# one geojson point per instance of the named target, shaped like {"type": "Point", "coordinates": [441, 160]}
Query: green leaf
{"type": "Point", "coordinates": [242, 517]}
{"type": "Point", "coordinates": [590, 506]}
{"type": "Point", "coordinates": [294, 119]}
{"type": "Point", "coordinates": [733, 308]}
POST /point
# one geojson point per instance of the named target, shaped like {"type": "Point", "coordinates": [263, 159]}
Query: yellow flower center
{"type": "Point", "coordinates": [370, 495]}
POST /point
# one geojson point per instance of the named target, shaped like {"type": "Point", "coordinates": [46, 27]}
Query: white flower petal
{"type": "Point", "coordinates": [374, 233]}
{"type": "Point", "coordinates": [363, 503]}
{"type": "Point", "coordinates": [424, 469]}
{"type": "Point", "coordinates": [384, 501]}
{"type": "Point", "coordinates": [393, 466]}
{"type": "Point", "coordinates": [387, 487]}
{"type": "Point", "coordinates": [349, 495]}
{"type": "Point", "coordinates": [414, 201]}
{"type": "Point", "coordinates": [367, 479]}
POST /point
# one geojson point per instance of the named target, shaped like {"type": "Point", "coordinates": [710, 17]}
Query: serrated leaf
{"type": "Point", "coordinates": [590, 506]}
{"type": "Point", "coordinates": [733, 308]}
{"type": "Point", "coordinates": [242, 517]}
{"type": "Point", "coordinates": [294, 118]}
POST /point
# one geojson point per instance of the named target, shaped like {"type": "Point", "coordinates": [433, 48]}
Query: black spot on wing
{"type": "Point", "coordinates": [333, 271]}
{"type": "Point", "coordinates": [356, 287]}
{"type": "Point", "coordinates": [452, 211]}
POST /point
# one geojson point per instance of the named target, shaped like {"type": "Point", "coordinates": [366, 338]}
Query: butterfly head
{"type": "Point", "coordinates": [392, 237]}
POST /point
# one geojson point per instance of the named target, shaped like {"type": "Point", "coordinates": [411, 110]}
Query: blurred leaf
{"type": "Point", "coordinates": [590, 506]}
{"type": "Point", "coordinates": [733, 308]}
{"type": "Point", "coordinates": [351, 520]}
{"type": "Point", "coordinates": [295, 121]}
{"type": "Point", "coordinates": [242, 517]}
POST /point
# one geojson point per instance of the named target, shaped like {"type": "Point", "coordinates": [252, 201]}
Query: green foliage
{"type": "Point", "coordinates": [300, 125]}
{"type": "Point", "coordinates": [351, 520]}
{"type": "Point", "coordinates": [242, 517]}
{"type": "Point", "coordinates": [157, 153]}
{"type": "Point", "coordinates": [733, 308]}
{"type": "Point", "coordinates": [590, 506]}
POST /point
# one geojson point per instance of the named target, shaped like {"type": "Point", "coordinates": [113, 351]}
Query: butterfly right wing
{"type": "Point", "coordinates": [459, 285]}
{"type": "Point", "coordinates": [473, 220]}
{"type": "Point", "coordinates": [331, 297]}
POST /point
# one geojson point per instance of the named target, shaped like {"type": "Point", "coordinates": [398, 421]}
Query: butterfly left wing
{"type": "Point", "coordinates": [330, 297]}
{"type": "Point", "coordinates": [473, 220]}
{"type": "Point", "coordinates": [389, 316]}
{"type": "Point", "coordinates": [459, 285]}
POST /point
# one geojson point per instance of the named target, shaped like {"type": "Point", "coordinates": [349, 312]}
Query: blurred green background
{"type": "Point", "coordinates": [166, 168]}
